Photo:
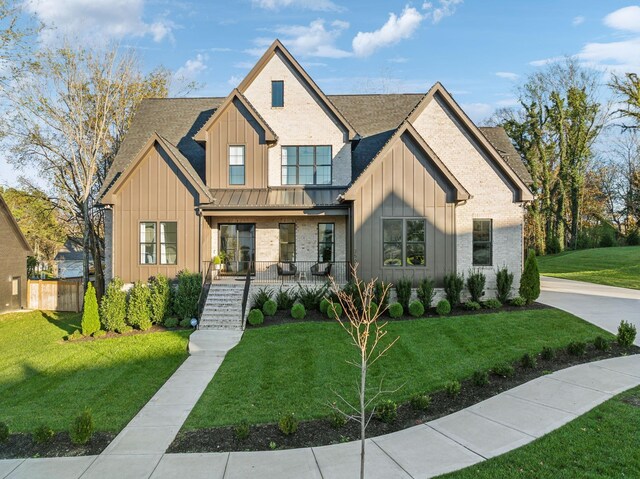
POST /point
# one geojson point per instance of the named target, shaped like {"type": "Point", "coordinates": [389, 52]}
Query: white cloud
{"type": "Point", "coordinates": [96, 21]}
{"type": "Point", "coordinates": [243, 65]}
{"type": "Point", "coordinates": [508, 75]}
{"type": "Point", "coordinates": [627, 19]}
{"type": "Point", "coordinates": [508, 102]}
{"type": "Point", "coordinates": [234, 80]}
{"type": "Point", "coordinates": [395, 29]}
{"type": "Point", "coordinates": [192, 67]}
{"type": "Point", "coordinates": [398, 60]}
{"type": "Point", "coordinates": [545, 61]}
{"type": "Point", "coordinates": [622, 56]}
{"type": "Point", "coordinates": [579, 20]}
{"type": "Point", "coordinates": [316, 5]}
{"type": "Point", "coordinates": [445, 8]}
{"type": "Point", "coordinates": [477, 111]}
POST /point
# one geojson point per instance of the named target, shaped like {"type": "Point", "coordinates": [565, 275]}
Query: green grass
{"type": "Point", "coordinates": [46, 380]}
{"type": "Point", "coordinates": [297, 367]}
{"type": "Point", "coordinates": [601, 444]}
{"type": "Point", "coordinates": [611, 266]}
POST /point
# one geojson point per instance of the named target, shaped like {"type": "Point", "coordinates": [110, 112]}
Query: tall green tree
{"type": "Point", "coordinates": [627, 88]}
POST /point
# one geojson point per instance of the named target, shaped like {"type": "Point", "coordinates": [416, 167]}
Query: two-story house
{"type": "Point", "coordinates": [285, 180]}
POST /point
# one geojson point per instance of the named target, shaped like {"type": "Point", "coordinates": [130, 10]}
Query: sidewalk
{"type": "Point", "coordinates": [492, 427]}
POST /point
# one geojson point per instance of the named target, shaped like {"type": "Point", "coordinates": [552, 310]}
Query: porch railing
{"type": "Point", "coordinates": [295, 272]}
{"type": "Point", "coordinates": [206, 285]}
{"type": "Point", "coordinates": [245, 294]}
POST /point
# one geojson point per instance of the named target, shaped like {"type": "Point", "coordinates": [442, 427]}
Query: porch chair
{"type": "Point", "coordinates": [287, 270]}
{"type": "Point", "coordinates": [321, 269]}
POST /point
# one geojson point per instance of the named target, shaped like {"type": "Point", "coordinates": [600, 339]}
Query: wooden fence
{"type": "Point", "coordinates": [55, 295]}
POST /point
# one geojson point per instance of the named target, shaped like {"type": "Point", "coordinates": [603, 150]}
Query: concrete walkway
{"type": "Point", "coordinates": [604, 306]}
{"type": "Point", "coordinates": [492, 427]}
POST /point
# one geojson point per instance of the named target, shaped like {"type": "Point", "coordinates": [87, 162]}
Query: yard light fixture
{"type": "Point", "coordinates": [194, 322]}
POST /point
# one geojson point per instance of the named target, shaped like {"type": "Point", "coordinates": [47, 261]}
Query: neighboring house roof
{"type": "Point", "coordinates": [71, 251]}
{"type": "Point", "coordinates": [14, 224]}
{"type": "Point", "coordinates": [272, 198]}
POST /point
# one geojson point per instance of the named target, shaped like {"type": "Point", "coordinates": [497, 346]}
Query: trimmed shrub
{"type": "Point", "coordinates": [298, 311]}
{"type": "Point", "coordinates": [185, 301]}
{"type": "Point", "coordinates": [185, 323]}
{"type": "Point", "coordinates": [518, 301]}
{"type": "Point", "coordinates": [351, 289]}
{"type": "Point", "coordinates": [337, 419]}
{"type": "Point", "coordinates": [90, 316]}
{"type": "Point", "coordinates": [285, 298]}
{"type": "Point", "coordinates": [420, 401]}
{"type": "Point", "coordinates": [82, 428]}
{"type": "Point", "coordinates": [504, 282]}
{"type": "Point", "coordinates": [242, 429]}
{"type": "Point", "coordinates": [396, 310]}
{"type": "Point", "coordinates": [626, 334]}
{"type": "Point", "coordinates": [472, 306]}
{"type": "Point", "coordinates": [269, 308]}
{"type": "Point", "coordinates": [260, 297]}
{"type": "Point", "coordinates": [530, 280]}
{"type": "Point", "coordinates": [310, 296]}
{"type": "Point", "coordinates": [159, 298]}
{"type": "Point", "coordinates": [378, 292]}
{"type": "Point", "coordinates": [492, 304]}
{"type": "Point", "coordinates": [171, 323]}
{"type": "Point", "coordinates": [475, 284]}
{"type": "Point", "coordinates": [387, 411]}
{"type": "Point", "coordinates": [607, 239]}
{"type": "Point", "coordinates": [113, 307]}
{"type": "Point", "coordinates": [601, 344]}
{"type": "Point", "coordinates": [505, 370]}
{"type": "Point", "coordinates": [480, 378]}
{"type": "Point", "coordinates": [99, 333]}
{"type": "Point", "coordinates": [547, 353]}
{"type": "Point", "coordinates": [4, 432]}
{"type": "Point", "coordinates": [324, 305]}
{"type": "Point", "coordinates": [416, 309]}
{"type": "Point", "coordinates": [528, 361]}
{"type": "Point", "coordinates": [452, 388]}
{"type": "Point", "coordinates": [288, 424]}
{"type": "Point", "coordinates": [577, 348]}
{"type": "Point", "coordinates": [373, 309]}
{"type": "Point", "coordinates": [334, 311]}
{"type": "Point", "coordinates": [453, 284]}
{"type": "Point", "coordinates": [255, 317]}
{"type": "Point", "coordinates": [443, 307]}
{"type": "Point", "coordinates": [75, 335]}
{"type": "Point", "coordinates": [426, 291]}
{"type": "Point", "coordinates": [126, 329]}
{"type": "Point", "coordinates": [43, 434]}
{"type": "Point", "coordinates": [138, 312]}
{"type": "Point", "coordinates": [403, 292]}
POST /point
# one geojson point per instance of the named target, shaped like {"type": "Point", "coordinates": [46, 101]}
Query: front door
{"type": "Point", "coordinates": [238, 243]}
{"type": "Point", "coordinates": [16, 300]}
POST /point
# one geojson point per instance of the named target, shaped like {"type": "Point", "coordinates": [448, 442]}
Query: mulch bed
{"type": "Point", "coordinates": [22, 445]}
{"type": "Point", "coordinates": [320, 432]}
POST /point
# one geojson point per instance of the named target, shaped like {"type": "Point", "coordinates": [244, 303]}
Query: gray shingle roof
{"type": "Point", "coordinates": [499, 139]}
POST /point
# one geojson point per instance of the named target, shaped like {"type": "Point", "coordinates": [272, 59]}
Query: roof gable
{"type": "Point", "coordinates": [14, 225]}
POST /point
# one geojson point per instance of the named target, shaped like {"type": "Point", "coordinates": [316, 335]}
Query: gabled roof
{"type": "Point", "coordinates": [236, 94]}
{"type": "Point", "coordinates": [440, 92]}
{"type": "Point", "coordinates": [277, 47]}
{"type": "Point", "coordinates": [14, 224]}
{"type": "Point", "coordinates": [176, 156]}
{"type": "Point", "coordinates": [406, 127]}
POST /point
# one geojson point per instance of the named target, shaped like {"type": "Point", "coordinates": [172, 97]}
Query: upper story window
{"type": "Point", "coordinates": [277, 94]}
{"type": "Point", "coordinates": [236, 165]}
{"type": "Point", "coordinates": [306, 165]}
{"type": "Point", "coordinates": [403, 242]}
{"type": "Point", "coordinates": [482, 242]}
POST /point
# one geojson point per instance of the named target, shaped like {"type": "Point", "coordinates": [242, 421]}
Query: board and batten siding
{"type": "Point", "coordinates": [236, 126]}
{"type": "Point", "coordinates": [155, 191]}
{"type": "Point", "coordinates": [403, 184]}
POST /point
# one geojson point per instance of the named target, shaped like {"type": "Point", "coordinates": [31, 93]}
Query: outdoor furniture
{"type": "Point", "coordinates": [287, 270]}
{"type": "Point", "coordinates": [321, 269]}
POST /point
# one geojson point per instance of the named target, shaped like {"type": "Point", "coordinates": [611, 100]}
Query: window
{"type": "Point", "coordinates": [482, 242]}
{"type": "Point", "coordinates": [277, 94]}
{"type": "Point", "coordinates": [306, 165]}
{"type": "Point", "coordinates": [168, 242]}
{"type": "Point", "coordinates": [236, 165]}
{"type": "Point", "coordinates": [326, 242]}
{"type": "Point", "coordinates": [403, 242]}
{"type": "Point", "coordinates": [287, 242]}
{"type": "Point", "coordinates": [147, 243]}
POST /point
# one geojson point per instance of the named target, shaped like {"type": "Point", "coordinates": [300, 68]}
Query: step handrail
{"type": "Point", "coordinates": [245, 294]}
{"type": "Point", "coordinates": [204, 291]}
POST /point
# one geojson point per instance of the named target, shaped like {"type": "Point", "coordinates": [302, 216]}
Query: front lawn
{"type": "Point", "coordinates": [45, 380]}
{"type": "Point", "coordinates": [296, 367]}
{"type": "Point", "coordinates": [602, 443]}
{"type": "Point", "coordinates": [618, 266]}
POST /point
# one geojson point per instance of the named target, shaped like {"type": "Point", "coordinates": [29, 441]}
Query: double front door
{"type": "Point", "coordinates": [238, 244]}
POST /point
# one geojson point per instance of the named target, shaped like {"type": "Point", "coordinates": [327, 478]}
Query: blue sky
{"type": "Point", "coordinates": [480, 50]}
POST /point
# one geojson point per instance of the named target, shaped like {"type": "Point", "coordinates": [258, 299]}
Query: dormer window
{"type": "Point", "coordinates": [277, 94]}
{"type": "Point", "coordinates": [236, 165]}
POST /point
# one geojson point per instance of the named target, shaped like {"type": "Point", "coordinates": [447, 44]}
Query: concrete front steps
{"type": "Point", "coordinates": [223, 308]}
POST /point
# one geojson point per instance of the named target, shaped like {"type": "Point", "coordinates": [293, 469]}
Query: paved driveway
{"type": "Point", "coordinates": [604, 306]}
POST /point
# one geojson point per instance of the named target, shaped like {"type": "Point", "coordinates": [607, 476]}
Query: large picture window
{"type": "Point", "coordinates": [168, 242]}
{"type": "Point", "coordinates": [236, 165]}
{"type": "Point", "coordinates": [147, 243]}
{"type": "Point", "coordinates": [403, 242]}
{"type": "Point", "coordinates": [287, 242]}
{"type": "Point", "coordinates": [326, 242]}
{"type": "Point", "coordinates": [482, 242]}
{"type": "Point", "coordinates": [306, 165]}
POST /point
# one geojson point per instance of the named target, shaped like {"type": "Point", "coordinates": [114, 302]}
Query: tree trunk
{"type": "Point", "coordinates": [363, 413]}
{"type": "Point", "coordinates": [97, 253]}
{"type": "Point", "coordinates": [86, 243]}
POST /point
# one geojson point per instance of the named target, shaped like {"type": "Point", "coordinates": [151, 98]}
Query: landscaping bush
{"type": "Point", "coordinates": [126, 329]}
{"type": "Point", "coordinates": [530, 280]}
{"type": "Point", "coordinates": [601, 344]}
{"type": "Point", "coordinates": [351, 290]}
{"type": "Point", "coordinates": [492, 304]}
{"type": "Point", "coordinates": [113, 307]}
{"type": "Point", "coordinates": [75, 335]}
{"type": "Point", "coordinates": [373, 309]}
{"type": "Point", "coordinates": [480, 378]}
{"type": "Point", "coordinates": [185, 301]}
{"type": "Point", "coordinates": [426, 291]}
{"type": "Point", "coordinates": [387, 411]}
{"type": "Point", "coordinates": [185, 323]}
{"type": "Point", "coordinates": [403, 292]}
{"type": "Point", "coordinates": [607, 239]}
{"type": "Point", "coordinates": [242, 429]}
{"type": "Point", "coordinates": [43, 434]}
{"type": "Point", "coordinates": [453, 284]}
{"type": "Point", "coordinates": [298, 311]}
{"type": "Point", "coordinates": [472, 306]}
{"type": "Point", "coordinates": [626, 334]}
{"type": "Point", "coordinates": [505, 370]}
{"type": "Point", "coordinates": [324, 305]}
{"type": "Point", "coordinates": [475, 284]}
{"type": "Point", "coordinates": [577, 348]}
{"type": "Point", "coordinates": [159, 298]}
{"type": "Point", "coordinates": [334, 311]}
{"type": "Point", "coordinates": [4, 432]}
{"type": "Point", "coordinates": [260, 297]}
{"type": "Point", "coordinates": [548, 353]}
{"type": "Point", "coordinates": [528, 361]}
{"type": "Point", "coordinates": [255, 317]}
{"type": "Point", "coordinates": [285, 298]}
{"type": "Point", "coordinates": [420, 401]}
{"type": "Point", "coordinates": [82, 428]}
{"type": "Point", "coordinates": [504, 282]}
{"type": "Point", "coordinates": [518, 301]}
{"type": "Point", "coordinates": [443, 307]}
{"type": "Point", "coordinates": [269, 308]}
{"type": "Point", "coordinates": [171, 323]}
{"type": "Point", "coordinates": [633, 237]}
{"type": "Point", "coordinates": [138, 311]}
{"type": "Point", "coordinates": [452, 388]}
{"type": "Point", "coordinates": [416, 309]}
{"type": "Point", "coordinates": [90, 316]}
{"type": "Point", "coordinates": [99, 333]}
{"type": "Point", "coordinates": [553, 245]}
{"type": "Point", "coordinates": [288, 424]}
{"type": "Point", "coordinates": [396, 310]}
{"type": "Point", "coordinates": [310, 296]}
{"type": "Point", "coordinates": [378, 292]}
{"type": "Point", "coordinates": [337, 419]}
